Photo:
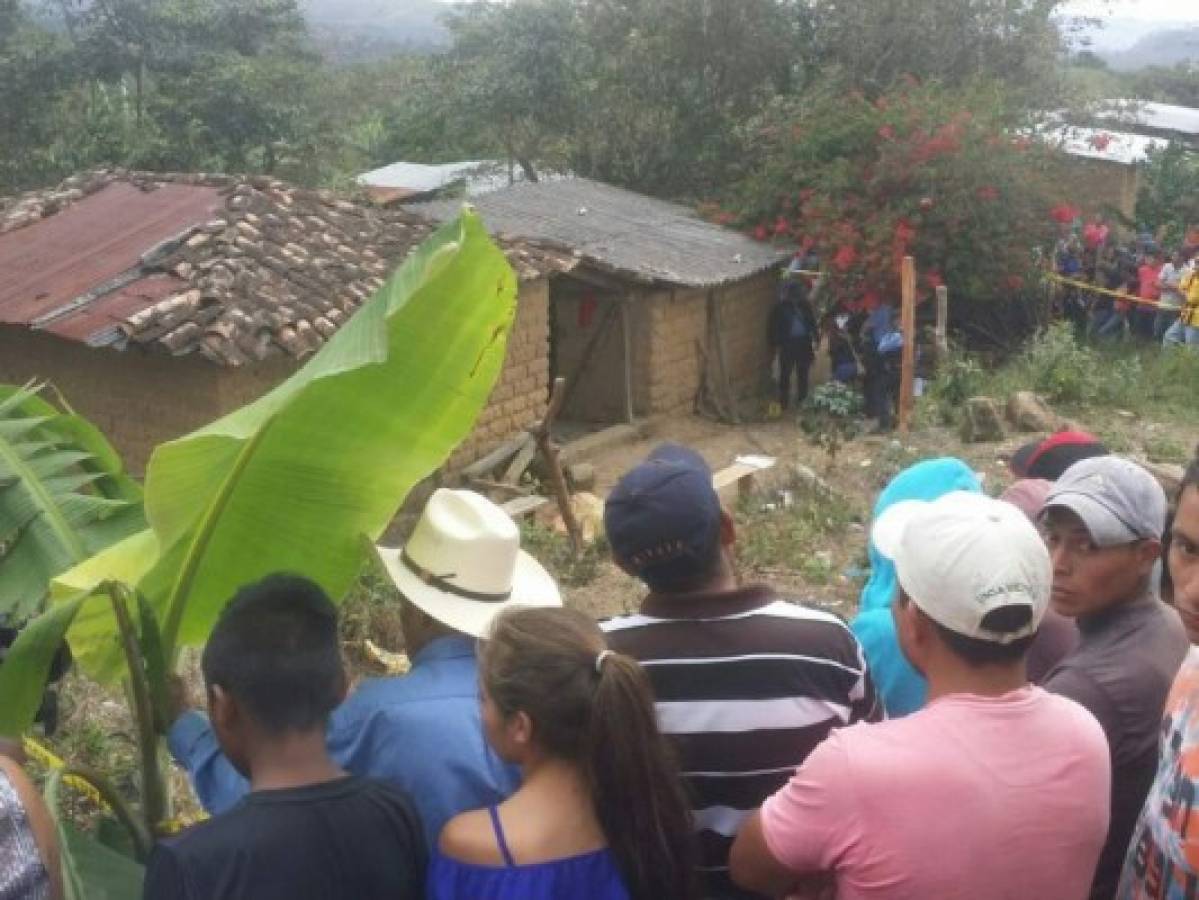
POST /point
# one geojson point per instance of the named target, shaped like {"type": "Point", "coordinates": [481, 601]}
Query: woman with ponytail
{"type": "Point", "coordinates": [600, 814]}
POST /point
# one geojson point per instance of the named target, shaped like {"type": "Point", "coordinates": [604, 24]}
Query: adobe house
{"type": "Point", "coordinates": [1105, 166]}
{"type": "Point", "coordinates": [156, 303]}
{"type": "Point", "coordinates": [661, 307]}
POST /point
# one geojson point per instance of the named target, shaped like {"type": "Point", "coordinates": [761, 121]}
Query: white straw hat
{"type": "Point", "coordinates": [463, 564]}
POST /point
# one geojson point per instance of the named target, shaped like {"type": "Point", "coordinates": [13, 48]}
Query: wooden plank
{"type": "Point", "coordinates": [501, 454]}
{"type": "Point", "coordinates": [942, 333]}
{"type": "Point", "coordinates": [521, 461]}
{"type": "Point", "coordinates": [907, 321]}
{"type": "Point", "coordinates": [626, 334]}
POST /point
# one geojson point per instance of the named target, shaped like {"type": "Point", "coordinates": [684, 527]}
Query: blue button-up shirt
{"type": "Point", "coordinates": [421, 731]}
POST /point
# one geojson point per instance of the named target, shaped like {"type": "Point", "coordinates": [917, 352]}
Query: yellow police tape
{"type": "Point", "coordinates": [47, 758]}
{"type": "Point", "coordinates": [1092, 289]}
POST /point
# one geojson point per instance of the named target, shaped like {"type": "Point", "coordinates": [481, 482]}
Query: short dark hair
{"type": "Point", "coordinates": [979, 652]}
{"type": "Point", "coordinates": [275, 649]}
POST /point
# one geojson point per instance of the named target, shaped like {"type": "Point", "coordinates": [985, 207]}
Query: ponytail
{"type": "Point", "coordinates": [635, 786]}
{"type": "Point", "coordinates": [593, 706]}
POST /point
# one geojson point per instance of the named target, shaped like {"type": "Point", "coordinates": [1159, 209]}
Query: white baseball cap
{"type": "Point", "coordinates": [964, 556]}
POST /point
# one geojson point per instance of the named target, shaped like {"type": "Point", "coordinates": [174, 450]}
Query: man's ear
{"type": "Point", "coordinates": [728, 530]}
{"type": "Point", "coordinates": [222, 708]}
{"type": "Point", "coordinates": [1147, 553]}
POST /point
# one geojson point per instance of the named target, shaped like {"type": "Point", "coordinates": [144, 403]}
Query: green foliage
{"type": "Point", "coordinates": [1059, 368]}
{"type": "Point", "coordinates": [554, 551]}
{"type": "Point", "coordinates": [959, 377]}
{"type": "Point", "coordinates": [1168, 201]}
{"type": "Point", "coordinates": [925, 170]}
{"type": "Point", "coordinates": [64, 496]}
{"type": "Point", "coordinates": [830, 416]}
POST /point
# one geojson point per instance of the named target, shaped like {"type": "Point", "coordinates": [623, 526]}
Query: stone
{"type": "Point", "coordinates": [982, 422]}
{"type": "Point", "coordinates": [581, 476]}
{"type": "Point", "coordinates": [1028, 412]}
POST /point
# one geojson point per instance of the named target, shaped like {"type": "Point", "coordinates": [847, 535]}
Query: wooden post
{"type": "Point", "coordinates": [907, 321]}
{"type": "Point", "coordinates": [628, 359]}
{"type": "Point", "coordinates": [942, 323]}
{"type": "Point", "coordinates": [541, 433]}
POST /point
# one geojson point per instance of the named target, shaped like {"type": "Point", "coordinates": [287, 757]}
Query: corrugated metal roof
{"type": "Point", "coordinates": [97, 322]}
{"type": "Point", "coordinates": [1158, 116]}
{"type": "Point", "coordinates": [58, 269]}
{"type": "Point", "coordinates": [648, 239]}
{"type": "Point", "coordinates": [1108, 146]}
{"type": "Point", "coordinates": [419, 178]}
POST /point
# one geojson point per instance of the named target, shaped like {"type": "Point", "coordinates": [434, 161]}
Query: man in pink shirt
{"type": "Point", "coordinates": [994, 791]}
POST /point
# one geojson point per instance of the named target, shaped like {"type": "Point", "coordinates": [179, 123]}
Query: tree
{"type": "Point", "coordinates": [926, 170]}
{"type": "Point", "coordinates": [1177, 84]}
{"type": "Point", "coordinates": [33, 74]}
{"type": "Point", "coordinates": [1168, 200]}
{"type": "Point", "coordinates": [874, 44]}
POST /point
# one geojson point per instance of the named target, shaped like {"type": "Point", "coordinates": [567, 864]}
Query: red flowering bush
{"type": "Point", "coordinates": [939, 173]}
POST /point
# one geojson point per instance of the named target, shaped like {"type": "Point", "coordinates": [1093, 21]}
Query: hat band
{"type": "Point", "coordinates": [442, 582]}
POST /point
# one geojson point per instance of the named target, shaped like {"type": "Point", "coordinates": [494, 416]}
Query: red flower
{"type": "Point", "coordinates": [988, 193]}
{"type": "Point", "coordinates": [933, 279]}
{"type": "Point", "coordinates": [1100, 141]}
{"type": "Point", "coordinates": [845, 257]}
{"type": "Point", "coordinates": [887, 133]}
{"type": "Point", "coordinates": [761, 233]}
{"type": "Point", "coordinates": [1064, 213]}
{"type": "Point", "coordinates": [1014, 282]}
{"type": "Point", "coordinates": [781, 225]}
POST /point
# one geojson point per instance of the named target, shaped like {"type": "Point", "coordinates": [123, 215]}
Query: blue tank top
{"type": "Point", "coordinates": [589, 876]}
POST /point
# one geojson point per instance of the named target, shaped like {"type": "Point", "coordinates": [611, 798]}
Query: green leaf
{"type": "Point", "coordinates": [291, 481]}
{"type": "Point", "coordinates": [150, 641]}
{"type": "Point", "coordinates": [93, 871]}
{"type": "Point", "coordinates": [27, 663]}
{"type": "Point", "coordinates": [63, 496]}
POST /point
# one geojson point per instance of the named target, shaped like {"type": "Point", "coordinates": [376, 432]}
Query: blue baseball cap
{"type": "Point", "coordinates": [663, 517]}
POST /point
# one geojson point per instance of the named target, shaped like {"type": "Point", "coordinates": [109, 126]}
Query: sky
{"type": "Point", "coordinates": [1160, 10]}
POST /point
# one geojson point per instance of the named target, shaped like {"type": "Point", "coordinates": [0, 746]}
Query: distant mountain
{"type": "Point", "coordinates": [1106, 36]}
{"type": "Point", "coordinates": [358, 30]}
{"type": "Point", "coordinates": [1165, 47]}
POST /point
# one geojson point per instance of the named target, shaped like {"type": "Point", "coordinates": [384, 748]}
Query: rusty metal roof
{"type": "Point", "coordinates": [98, 322]}
{"type": "Point", "coordinates": [56, 271]}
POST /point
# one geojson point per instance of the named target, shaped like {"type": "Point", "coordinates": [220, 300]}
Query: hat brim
{"type": "Point", "coordinates": [888, 529]}
{"type": "Point", "coordinates": [1105, 528]}
{"type": "Point", "coordinates": [532, 585]}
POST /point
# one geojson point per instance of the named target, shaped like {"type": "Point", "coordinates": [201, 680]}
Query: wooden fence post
{"type": "Point", "coordinates": [908, 325]}
{"type": "Point", "coordinates": [942, 323]}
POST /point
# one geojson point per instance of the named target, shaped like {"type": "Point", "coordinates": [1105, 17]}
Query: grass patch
{"type": "Point", "coordinates": [792, 537]}
{"type": "Point", "coordinates": [1077, 377]}
{"type": "Point", "coordinates": [553, 551]}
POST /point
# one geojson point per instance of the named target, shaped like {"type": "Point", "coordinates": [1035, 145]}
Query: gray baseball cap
{"type": "Point", "coordinates": [1118, 501]}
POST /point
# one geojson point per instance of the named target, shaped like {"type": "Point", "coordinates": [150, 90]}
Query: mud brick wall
{"type": "Point", "coordinates": [521, 393]}
{"type": "Point", "coordinates": [668, 375]}
{"type": "Point", "coordinates": [137, 399]}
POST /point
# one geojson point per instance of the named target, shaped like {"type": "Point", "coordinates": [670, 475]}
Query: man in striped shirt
{"type": "Point", "coordinates": [746, 683]}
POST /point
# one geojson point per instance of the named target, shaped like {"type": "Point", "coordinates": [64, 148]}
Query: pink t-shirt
{"type": "Point", "coordinates": [971, 797]}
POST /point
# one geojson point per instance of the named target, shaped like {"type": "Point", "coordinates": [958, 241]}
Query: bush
{"type": "Point", "coordinates": [1058, 368]}
{"type": "Point", "coordinates": [959, 377]}
{"type": "Point", "coordinates": [830, 417]}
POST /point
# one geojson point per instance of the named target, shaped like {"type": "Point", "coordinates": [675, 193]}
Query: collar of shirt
{"type": "Point", "coordinates": [455, 646]}
{"type": "Point", "coordinates": [708, 604]}
{"type": "Point", "coordinates": [1117, 614]}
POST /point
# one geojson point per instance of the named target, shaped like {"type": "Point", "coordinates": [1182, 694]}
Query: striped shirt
{"type": "Point", "coordinates": [746, 685]}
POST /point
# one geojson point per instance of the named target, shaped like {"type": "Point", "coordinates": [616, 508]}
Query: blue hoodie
{"type": "Point", "coordinates": [902, 688]}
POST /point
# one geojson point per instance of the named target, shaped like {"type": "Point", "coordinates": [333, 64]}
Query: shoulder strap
{"type": "Point", "coordinates": [500, 840]}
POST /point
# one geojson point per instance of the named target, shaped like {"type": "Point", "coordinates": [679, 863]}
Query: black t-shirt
{"type": "Point", "coordinates": [349, 839]}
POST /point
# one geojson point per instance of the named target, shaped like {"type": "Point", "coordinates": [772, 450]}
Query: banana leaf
{"type": "Point", "coordinates": [64, 496]}
{"type": "Point", "coordinates": [293, 480]}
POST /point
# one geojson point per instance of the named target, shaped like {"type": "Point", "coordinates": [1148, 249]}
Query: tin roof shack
{"type": "Point", "coordinates": [1106, 165]}
{"type": "Point", "coordinates": [664, 312]}
{"type": "Point", "coordinates": [157, 303]}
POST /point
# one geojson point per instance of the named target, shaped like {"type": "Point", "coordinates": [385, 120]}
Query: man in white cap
{"type": "Point", "coordinates": [421, 731]}
{"type": "Point", "coordinates": [1103, 523]}
{"type": "Point", "coordinates": [995, 789]}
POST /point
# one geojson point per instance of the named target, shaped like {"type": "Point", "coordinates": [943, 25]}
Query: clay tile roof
{"type": "Point", "coordinates": [236, 269]}
{"type": "Point", "coordinates": [620, 231]}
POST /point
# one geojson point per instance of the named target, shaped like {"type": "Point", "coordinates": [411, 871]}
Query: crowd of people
{"type": "Point", "coordinates": [1137, 290]}
{"type": "Point", "coordinates": [1011, 714]}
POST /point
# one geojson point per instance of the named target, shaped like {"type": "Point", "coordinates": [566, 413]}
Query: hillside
{"type": "Point", "coordinates": [358, 30]}
{"type": "Point", "coordinates": [1165, 47]}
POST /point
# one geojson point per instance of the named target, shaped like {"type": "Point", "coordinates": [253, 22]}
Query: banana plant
{"type": "Point", "coordinates": [290, 482]}
{"type": "Point", "coordinates": [64, 496]}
